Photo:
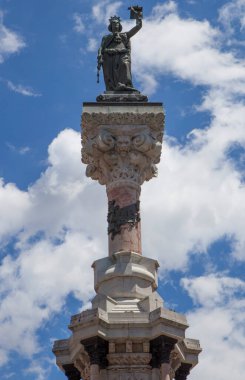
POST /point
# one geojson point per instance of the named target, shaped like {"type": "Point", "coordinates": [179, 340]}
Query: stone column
{"type": "Point", "coordinates": [97, 349]}
{"type": "Point", "coordinates": [121, 147]}
{"type": "Point", "coordinates": [161, 349]}
{"type": "Point", "coordinates": [183, 371]}
{"type": "Point", "coordinates": [71, 372]}
{"type": "Point", "coordinates": [167, 348]}
{"type": "Point", "coordinates": [124, 228]}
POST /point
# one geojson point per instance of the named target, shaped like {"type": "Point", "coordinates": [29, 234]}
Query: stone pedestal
{"type": "Point", "coordinates": [128, 334]}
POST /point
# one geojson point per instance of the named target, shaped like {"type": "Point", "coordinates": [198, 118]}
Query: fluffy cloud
{"type": "Point", "coordinates": [14, 205]}
{"type": "Point", "coordinates": [38, 282]}
{"type": "Point", "coordinates": [79, 26]}
{"type": "Point", "coordinates": [219, 323]}
{"type": "Point", "coordinates": [231, 13]}
{"type": "Point", "coordinates": [199, 194]}
{"type": "Point", "coordinates": [10, 41]}
{"type": "Point", "coordinates": [189, 49]}
{"type": "Point", "coordinates": [55, 245]}
{"type": "Point", "coordinates": [103, 10]}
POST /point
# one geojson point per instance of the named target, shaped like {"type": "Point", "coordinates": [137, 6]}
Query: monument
{"type": "Point", "coordinates": [128, 334]}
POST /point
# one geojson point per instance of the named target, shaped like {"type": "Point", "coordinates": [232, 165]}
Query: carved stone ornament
{"type": "Point", "coordinates": [129, 359]}
{"type": "Point", "coordinates": [116, 154]}
{"type": "Point", "coordinates": [92, 120]}
{"type": "Point", "coordinates": [118, 217]}
{"type": "Point", "coordinates": [82, 363]}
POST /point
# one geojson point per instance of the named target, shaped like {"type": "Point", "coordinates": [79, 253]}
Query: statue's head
{"type": "Point", "coordinates": [115, 24]}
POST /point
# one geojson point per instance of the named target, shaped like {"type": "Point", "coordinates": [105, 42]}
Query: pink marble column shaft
{"type": "Point", "coordinates": [129, 238]}
{"type": "Point", "coordinates": [165, 371]}
{"type": "Point", "coordinates": [94, 372]}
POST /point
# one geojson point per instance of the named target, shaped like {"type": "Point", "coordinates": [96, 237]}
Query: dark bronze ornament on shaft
{"type": "Point", "coordinates": [117, 217]}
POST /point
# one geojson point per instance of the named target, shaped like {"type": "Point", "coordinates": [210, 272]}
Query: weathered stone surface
{"type": "Point", "coordinates": [122, 146]}
{"type": "Point", "coordinates": [126, 275]}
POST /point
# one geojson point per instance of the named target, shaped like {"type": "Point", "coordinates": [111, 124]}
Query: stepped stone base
{"type": "Point", "coordinates": [128, 333]}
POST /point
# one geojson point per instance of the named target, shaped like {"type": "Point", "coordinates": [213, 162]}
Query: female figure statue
{"type": "Point", "coordinates": [114, 55]}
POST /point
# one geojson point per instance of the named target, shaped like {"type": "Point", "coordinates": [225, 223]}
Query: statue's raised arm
{"type": "Point", "coordinates": [114, 56]}
{"type": "Point", "coordinates": [135, 13]}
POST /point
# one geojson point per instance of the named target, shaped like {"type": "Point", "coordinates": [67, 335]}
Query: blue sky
{"type": "Point", "coordinates": [190, 56]}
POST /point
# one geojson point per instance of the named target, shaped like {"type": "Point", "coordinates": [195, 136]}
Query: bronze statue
{"type": "Point", "coordinates": [114, 54]}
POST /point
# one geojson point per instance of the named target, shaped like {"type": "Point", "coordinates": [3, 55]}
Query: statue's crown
{"type": "Point", "coordinates": [114, 18]}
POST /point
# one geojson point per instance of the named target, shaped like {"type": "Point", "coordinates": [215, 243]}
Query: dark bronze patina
{"type": "Point", "coordinates": [183, 371]}
{"type": "Point", "coordinates": [71, 372]}
{"type": "Point", "coordinates": [161, 348]}
{"type": "Point", "coordinates": [114, 56]}
{"type": "Point", "coordinates": [118, 217]}
{"type": "Point", "coordinates": [97, 350]}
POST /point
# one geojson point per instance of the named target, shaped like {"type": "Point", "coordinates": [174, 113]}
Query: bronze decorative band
{"type": "Point", "coordinates": [117, 217]}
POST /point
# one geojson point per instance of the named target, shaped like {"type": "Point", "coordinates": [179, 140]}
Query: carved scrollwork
{"type": "Point", "coordinates": [105, 141]}
{"type": "Point", "coordinates": [114, 155]}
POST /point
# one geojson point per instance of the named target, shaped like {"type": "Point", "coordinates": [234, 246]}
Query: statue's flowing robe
{"type": "Point", "coordinates": [116, 53]}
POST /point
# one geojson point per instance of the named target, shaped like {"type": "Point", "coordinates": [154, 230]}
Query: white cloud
{"type": "Point", "coordinates": [219, 324]}
{"type": "Point", "coordinates": [79, 26]}
{"type": "Point", "coordinates": [23, 90]}
{"type": "Point", "coordinates": [187, 48]}
{"type": "Point", "coordinates": [56, 245]}
{"type": "Point", "coordinates": [14, 206]}
{"type": "Point", "coordinates": [92, 44]}
{"type": "Point", "coordinates": [104, 9]}
{"type": "Point", "coordinates": [232, 12]}
{"type": "Point", "coordinates": [10, 41]}
{"type": "Point", "coordinates": [213, 290]}
{"type": "Point", "coordinates": [199, 195]}
{"type": "Point", "coordinates": [164, 9]}
{"type": "Point", "coordinates": [40, 372]}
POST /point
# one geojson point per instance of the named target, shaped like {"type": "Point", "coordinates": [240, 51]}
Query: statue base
{"type": "Point", "coordinates": [122, 97]}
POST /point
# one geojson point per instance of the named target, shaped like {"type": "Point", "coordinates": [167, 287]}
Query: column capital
{"type": "Point", "coordinates": [161, 348]}
{"type": "Point", "coordinates": [97, 349]}
{"type": "Point", "coordinates": [71, 372]}
{"type": "Point", "coordinates": [122, 145]}
{"type": "Point", "coordinates": [183, 371]}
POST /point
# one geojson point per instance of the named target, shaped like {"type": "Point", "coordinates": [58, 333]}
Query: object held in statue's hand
{"type": "Point", "coordinates": [136, 12]}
